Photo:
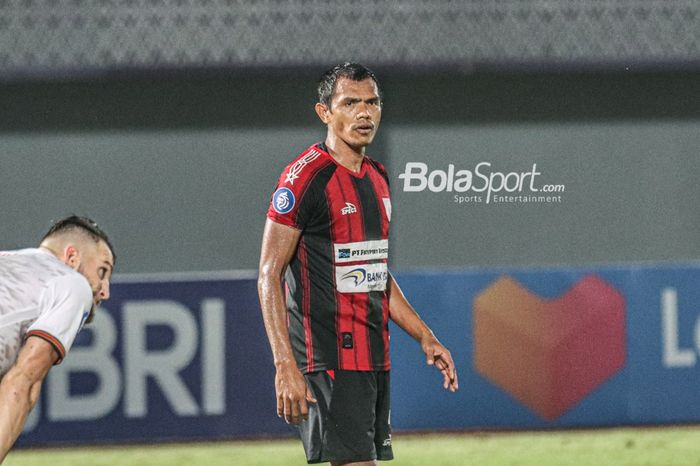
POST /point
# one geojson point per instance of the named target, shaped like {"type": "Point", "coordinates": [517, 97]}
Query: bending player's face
{"type": "Point", "coordinates": [96, 265]}
{"type": "Point", "coordinates": [355, 111]}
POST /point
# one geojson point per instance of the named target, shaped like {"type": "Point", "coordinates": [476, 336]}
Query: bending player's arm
{"type": "Point", "coordinates": [20, 387]}
{"type": "Point", "coordinates": [408, 319]}
{"type": "Point", "coordinates": [278, 246]}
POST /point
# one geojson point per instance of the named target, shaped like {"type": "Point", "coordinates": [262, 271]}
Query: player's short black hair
{"type": "Point", "coordinates": [86, 225]}
{"type": "Point", "coordinates": [353, 71]}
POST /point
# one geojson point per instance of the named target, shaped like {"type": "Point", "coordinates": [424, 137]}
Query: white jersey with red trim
{"type": "Point", "coordinates": [39, 296]}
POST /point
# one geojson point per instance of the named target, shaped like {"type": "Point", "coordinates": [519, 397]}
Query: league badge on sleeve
{"type": "Point", "coordinates": [283, 200]}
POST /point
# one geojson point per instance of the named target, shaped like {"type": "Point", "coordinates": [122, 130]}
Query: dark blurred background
{"type": "Point", "coordinates": [169, 121]}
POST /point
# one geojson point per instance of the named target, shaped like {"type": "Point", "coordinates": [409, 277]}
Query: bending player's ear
{"type": "Point", "coordinates": [322, 111]}
{"type": "Point", "coordinates": [71, 256]}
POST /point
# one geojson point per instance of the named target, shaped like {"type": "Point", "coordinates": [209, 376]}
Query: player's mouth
{"type": "Point", "coordinates": [364, 128]}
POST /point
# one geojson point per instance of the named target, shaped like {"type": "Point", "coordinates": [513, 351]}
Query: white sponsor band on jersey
{"type": "Point", "coordinates": [361, 251]}
{"type": "Point", "coordinates": [361, 278]}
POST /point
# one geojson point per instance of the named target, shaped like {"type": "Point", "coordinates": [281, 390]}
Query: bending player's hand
{"type": "Point", "coordinates": [440, 357]}
{"type": "Point", "coordinates": [293, 395]}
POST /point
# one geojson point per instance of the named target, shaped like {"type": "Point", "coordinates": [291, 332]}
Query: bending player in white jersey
{"type": "Point", "coordinates": [46, 295]}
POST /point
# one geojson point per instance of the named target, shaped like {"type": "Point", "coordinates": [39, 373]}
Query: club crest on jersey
{"type": "Point", "coordinates": [283, 200]}
{"type": "Point", "coordinates": [348, 209]}
{"type": "Point", "coordinates": [294, 170]}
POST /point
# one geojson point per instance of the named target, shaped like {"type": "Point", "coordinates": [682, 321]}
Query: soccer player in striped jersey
{"type": "Point", "coordinates": [46, 295]}
{"type": "Point", "coordinates": [326, 239]}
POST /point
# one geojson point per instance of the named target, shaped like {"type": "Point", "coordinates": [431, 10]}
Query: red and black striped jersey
{"type": "Point", "coordinates": [337, 297]}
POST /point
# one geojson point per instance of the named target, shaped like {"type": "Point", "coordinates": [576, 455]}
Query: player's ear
{"type": "Point", "coordinates": [323, 112]}
{"type": "Point", "coordinates": [71, 256]}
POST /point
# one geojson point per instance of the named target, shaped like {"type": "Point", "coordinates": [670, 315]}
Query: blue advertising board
{"type": "Point", "coordinates": [657, 383]}
{"type": "Point", "coordinates": [188, 358]}
{"type": "Point", "coordinates": [164, 360]}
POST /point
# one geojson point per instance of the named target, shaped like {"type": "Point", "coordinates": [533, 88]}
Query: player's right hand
{"type": "Point", "coordinates": [293, 395]}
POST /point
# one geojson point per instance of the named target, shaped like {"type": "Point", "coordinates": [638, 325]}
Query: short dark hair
{"type": "Point", "coordinates": [84, 224]}
{"type": "Point", "coordinates": [353, 71]}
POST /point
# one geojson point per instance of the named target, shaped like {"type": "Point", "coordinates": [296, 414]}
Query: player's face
{"type": "Point", "coordinates": [355, 112]}
{"type": "Point", "coordinates": [96, 265]}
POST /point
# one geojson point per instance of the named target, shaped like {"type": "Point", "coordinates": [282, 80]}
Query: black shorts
{"type": "Point", "coordinates": [350, 421]}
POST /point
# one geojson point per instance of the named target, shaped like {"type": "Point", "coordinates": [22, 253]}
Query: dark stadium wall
{"type": "Point", "coordinates": [624, 146]}
{"type": "Point", "coordinates": [179, 169]}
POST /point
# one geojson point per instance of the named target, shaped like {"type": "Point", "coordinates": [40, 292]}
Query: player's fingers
{"type": "Point", "coordinates": [446, 379]}
{"type": "Point", "coordinates": [280, 406]}
{"type": "Point", "coordinates": [447, 363]}
{"type": "Point", "coordinates": [450, 372]}
{"type": "Point", "coordinates": [440, 364]}
{"type": "Point", "coordinates": [296, 415]}
{"type": "Point", "coordinates": [287, 410]}
{"type": "Point", "coordinates": [304, 409]}
{"type": "Point", "coordinates": [453, 381]}
{"type": "Point", "coordinates": [310, 396]}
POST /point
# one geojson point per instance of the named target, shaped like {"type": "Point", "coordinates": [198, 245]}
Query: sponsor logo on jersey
{"type": "Point", "coordinates": [299, 165]}
{"type": "Point", "coordinates": [283, 200]}
{"type": "Point", "coordinates": [358, 276]}
{"type": "Point", "coordinates": [361, 279]}
{"type": "Point", "coordinates": [348, 209]}
{"type": "Point", "coordinates": [361, 251]}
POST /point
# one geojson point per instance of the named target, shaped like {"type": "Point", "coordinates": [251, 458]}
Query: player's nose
{"type": "Point", "coordinates": [104, 291]}
{"type": "Point", "coordinates": [362, 110]}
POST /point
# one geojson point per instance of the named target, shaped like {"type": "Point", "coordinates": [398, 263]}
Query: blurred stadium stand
{"type": "Point", "coordinates": [74, 37]}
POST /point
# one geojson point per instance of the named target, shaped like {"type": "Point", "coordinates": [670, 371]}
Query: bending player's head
{"type": "Point", "coordinates": [350, 105]}
{"type": "Point", "coordinates": [352, 71]}
{"type": "Point", "coordinates": [81, 244]}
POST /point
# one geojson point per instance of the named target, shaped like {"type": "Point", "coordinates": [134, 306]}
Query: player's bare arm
{"type": "Point", "coordinates": [20, 388]}
{"type": "Point", "coordinates": [278, 246]}
{"type": "Point", "coordinates": [401, 312]}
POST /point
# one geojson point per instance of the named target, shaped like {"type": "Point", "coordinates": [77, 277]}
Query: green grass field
{"type": "Point", "coordinates": [676, 446]}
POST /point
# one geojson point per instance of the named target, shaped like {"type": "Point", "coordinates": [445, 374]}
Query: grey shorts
{"type": "Point", "coordinates": [350, 421]}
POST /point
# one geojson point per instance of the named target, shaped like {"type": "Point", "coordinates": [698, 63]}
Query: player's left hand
{"type": "Point", "coordinates": [440, 357]}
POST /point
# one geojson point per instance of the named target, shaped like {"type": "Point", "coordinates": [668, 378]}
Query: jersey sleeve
{"type": "Point", "coordinates": [65, 303]}
{"type": "Point", "coordinates": [292, 204]}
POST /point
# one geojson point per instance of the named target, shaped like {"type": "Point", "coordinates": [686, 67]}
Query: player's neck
{"type": "Point", "coordinates": [347, 156]}
{"type": "Point", "coordinates": [51, 249]}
